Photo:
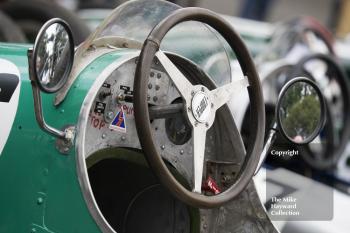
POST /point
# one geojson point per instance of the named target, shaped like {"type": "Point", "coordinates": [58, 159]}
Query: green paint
{"type": "Point", "coordinates": [39, 186]}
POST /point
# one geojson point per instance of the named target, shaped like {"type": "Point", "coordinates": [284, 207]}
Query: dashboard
{"type": "Point", "coordinates": [111, 124]}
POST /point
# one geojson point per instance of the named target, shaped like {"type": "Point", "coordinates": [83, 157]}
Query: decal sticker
{"type": "Point", "coordinates": [96, 122]}
{"type": "Point", "coordinates": [128, 109]}
{"type": "Point", "coordinates": [10, 83]}
{"type": "Point", "coordinates": [106, 85]}
{"type": "Point", "coordinates": [126, 90]}
{"type": "Point", "coordinates": [100, 107]}
{"type": "Point", "coordinates": [119, 123]}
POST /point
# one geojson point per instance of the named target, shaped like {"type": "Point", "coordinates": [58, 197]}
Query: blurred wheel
{"type": "Point", "coordinates": [32, 13]}
{"type": "Point", "coordinates": [10, 31]}
{"type": "Point", "coordinates": [88, 4]}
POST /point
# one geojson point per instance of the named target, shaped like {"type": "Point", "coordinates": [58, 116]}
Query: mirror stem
{"type": "Point", "coordinates": [269, 142]}
{"type": "Point", "coordinates": [38, 110]}
{"type": "Point", "coordinates": [39, 114]}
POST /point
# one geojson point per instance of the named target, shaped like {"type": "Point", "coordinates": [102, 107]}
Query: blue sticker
{"type": "Point", "coordinates": [118, 122]}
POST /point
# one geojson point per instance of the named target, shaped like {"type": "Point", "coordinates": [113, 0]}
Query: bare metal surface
{"type": "Point", "coordinates": [202, 110]}
{"type": "Point", "coordinates": [81, 151]}
{"type": "Point", "coordinates": [244, 214]}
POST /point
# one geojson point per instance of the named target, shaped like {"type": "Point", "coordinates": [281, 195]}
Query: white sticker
{"type": "Point", "coordinates": [10, 85]}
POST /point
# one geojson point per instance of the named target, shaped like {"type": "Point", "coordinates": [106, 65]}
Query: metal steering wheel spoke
{"type": "Point", "coordinates": [222, 95]}
{"type": "Point", "coordinates": [180, 81]}
{"type": "Point", "coordinates": [199, 133]}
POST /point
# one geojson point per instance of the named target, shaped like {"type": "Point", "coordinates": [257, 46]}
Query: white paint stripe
{"type": "Point", "coordinates": [8, 110]}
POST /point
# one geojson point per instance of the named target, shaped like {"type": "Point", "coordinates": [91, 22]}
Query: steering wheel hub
{"type": "Point", "coordinates": [200, 105]}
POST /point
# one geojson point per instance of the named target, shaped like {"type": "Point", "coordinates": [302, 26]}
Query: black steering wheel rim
{"type": "Point", "coordinates": [142, 120]}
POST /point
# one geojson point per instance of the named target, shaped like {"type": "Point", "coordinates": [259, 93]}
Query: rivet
{"type": "Point", "coordinates": [162, 147]}
{"type": "Point", "coordinates": [151, 74]}
{"type": "Point", "coordinates": [62, 111]}
{"type": "Point", "coordinates": [203, 89]}
{"type": "Point", "coordinates": [33, 230]}
{"type": "Point", "coordinates": [159, 76]}
{"type": "Point", "coordinates": [212, 105]}
{"type": "Point", "coordinates": [148, 97]}
{"type": "Point", "coordinates": [150, 86]}
{"type": "Point", "coordinates": [103, 135]}
{"type": "Point", "coordinates": [207, 124]}
{"type": "Point", "coordinates": [123, 138]}
{"type": "Point", "coordinates": [181, 152]}
{"type": "Point", "coordinates": [155, 98]}
{"type": "Point", "coordinates": [40, 201]}
{"type": "Point", "coordinates": [157, 87]}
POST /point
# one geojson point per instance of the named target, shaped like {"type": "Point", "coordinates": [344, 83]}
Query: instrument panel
{"type": "Point", "coordinates": [111, 118]}
{"type": "Point", "coordinates": [111, 124]}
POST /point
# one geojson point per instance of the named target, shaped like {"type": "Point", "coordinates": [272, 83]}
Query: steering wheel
{"type": "Point", "coordinates": [200, 107]}
{"type": "Point", "coordinates": [310, 24]}
{"type": "Point", "coordinates": [334, 148]}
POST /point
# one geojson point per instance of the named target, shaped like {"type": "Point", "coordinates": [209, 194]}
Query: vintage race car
{"type": "Point", "coordinates": [140, 136]}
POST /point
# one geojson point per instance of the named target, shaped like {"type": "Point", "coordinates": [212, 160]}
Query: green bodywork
{"type": "Point", "coordinates": [39, 190]}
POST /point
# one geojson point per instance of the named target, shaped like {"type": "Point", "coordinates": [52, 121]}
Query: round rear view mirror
{"type": "Point", "coordinates": [300, 111]}
{"type": "Point", "coordinates": [53, 55]}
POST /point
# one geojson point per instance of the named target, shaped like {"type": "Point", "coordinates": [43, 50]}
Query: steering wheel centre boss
{"type": "Point", "coordinates": [201, 107]}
